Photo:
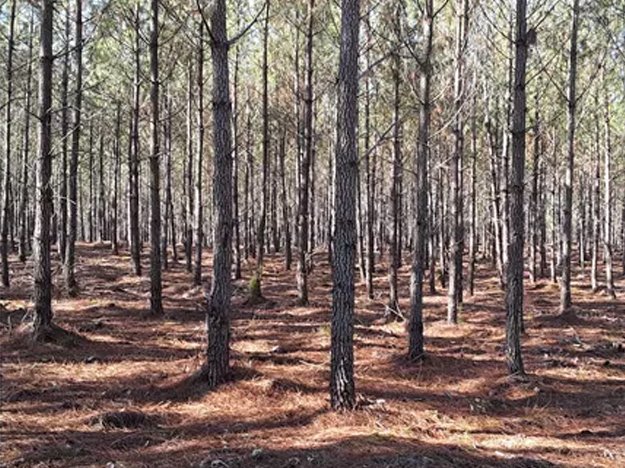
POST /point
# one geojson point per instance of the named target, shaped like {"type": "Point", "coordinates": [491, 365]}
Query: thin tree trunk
{"type": "Point", "coordinates": [393, 302]}
{"type": "Point", "coordinates": [370, 180]}
{"type": "Point", "coordinates": [189, 211]}
{"type": "Point", "coordinates": [623, 238]}
{"type": "Point", "coordinates": [567, 238]}
{"type": "Point", "coordinates": [199, 208]}
{"type": "Point", "coordinates": [607, 200]}
{"type": "Point", "coordinates": [256, 283]}
{"type": "Point", "coordinates": [415, 330]}
{"type": "Point", "coordinates": [303, 215]}
{"type": "Point", "coordinates": [42, 275]}
{"type": "Point", "coordinates": [23, 208]}
{"type": "Point", "coordinates": [596, 209]}
{"type": "Point", "coordinates": [554, 225]}
{"type": "Point", "coordinates": [496, 199]}
{"type": "Point", "coordinates": [454, 292]}
{"type": "Point", "coordinates": [72, 207]}
{"type": "Point", "coordinates": [473, 200]}
{"type": "Point", "coordinates": [6, 193]}
{"type": "Point", "coordinates": [249, 186]}
{"type": "Point", "coordinates": [62, 235]}
{"type": "Point", "coordinates": [101, 199]}
{"type": "Point", "coordinates": [116, 170]}
{"type": "Point", "coordinates": [169, 195]}
{"type": "Point", "coordinates": [284, 202]}
{"type": "Point", "coordinates": [235, 167]}
{"type": "Point", "coordinates": [514, 270]}
{"type": "Point", "coordinates": [90, 214]}
{"type": "Point", "coordinates": [534, 196]}
{"type": "Point", "coordinates": [156, 287]}
{"type": "Point", "coordinates": [133, 172]}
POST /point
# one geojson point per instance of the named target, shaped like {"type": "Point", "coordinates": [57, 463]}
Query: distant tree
{"type": "Point", "coordinates": [567, 211]}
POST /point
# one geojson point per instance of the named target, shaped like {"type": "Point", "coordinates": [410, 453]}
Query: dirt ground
{"type": "Point", "coordinates": [457, 408]}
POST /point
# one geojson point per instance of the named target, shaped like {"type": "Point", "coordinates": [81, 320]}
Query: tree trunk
{"type": "Point", "coordinates": [554, 224]}
{"type": "Point", "coordinates": [72, 202]}
{"type": "Point", "coordinates": [199, 207]}
{"type": "Point", "coordinates": [90, 216]}
{"type": "Point", "coordinates": [415, 330]}
{"type": "Point", "coordinates": [596, 208]}
{"type": "Point", "coordinates": [62, 235]}
{"type": "Point", "coordinates": [567, 240]}
{"type": "Point", "coordinates": [607, 200]}
{"type": "Point", "coordinates": [23, 208]}
{"type": "Point", "coordinates": [218, 309]}
{"type": "Point", "coordinates": [42, 275]}
{"type": "Point", "coordinates": [342, 391]}
{"type": "Point", "coordinates": [473, 200]}
{"type": "Point", "coordinates": [623, 238]}
{"type": "Point", "coordinates": [284, 202]}
{"type": "Point", "coordinates": [454, 292]}
{"type": "Point", "coordinates": [249, 187]}
{"type": "Point", "coordinates": [133, 172]}
{"type": "Point", "coordinates": [156, 287]}
{"type": "Point", "coordinates": [114, 207]}
{"type": "Point", "coordinates": [6, 193]}
{"type": "Point", "coordinates": [169, 229]}
{"type": "Point", "coordinates": [496, 197]}
{"type": "Point", "coordinates": [235, 167]}
{"type": "Point", "coordinates": [395, 198]}
{"type": "Point", "coordinates": [303, 215]}
{"type": "Point", "coordinates": [534, 196]}
{"type": "Point", "coordinates": [101, 199]}
{"type": "Point", "coordinates": [370, 180]}
{"type": "Point", "coordinates": [255, 283]}
{"type": "Point", "coordinates": [514, 270]}
{"type": "Point", "coordinates": [189, 211]}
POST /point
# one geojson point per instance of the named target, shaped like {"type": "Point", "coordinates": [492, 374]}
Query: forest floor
{"type": "Point", "coordinates": [457, 408]}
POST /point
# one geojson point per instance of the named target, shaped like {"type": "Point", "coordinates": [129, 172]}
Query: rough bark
{"type": "Point", "coordinates": [395, 196]}
{"type": "Point", "coordinates": [415, 330]}
{"type": "Point", "coordinates": [156, 286]}
{"type": "Point", "coordinates": [514, 270]}
{"type": "Point", "coordinates": [133, 170]}
{"type": "Point", "coordinates": [218, 308]}
{"type": "Point", "coordinates": [342, 390]}
{"type": "Point", "coordinates": [42, 275]}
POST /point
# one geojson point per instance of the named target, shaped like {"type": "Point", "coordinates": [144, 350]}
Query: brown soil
{"type": "Point", "coordinates": [457, 408]}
